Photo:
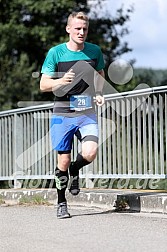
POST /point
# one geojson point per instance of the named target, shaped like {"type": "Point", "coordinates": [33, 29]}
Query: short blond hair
{"type": "Point", "coordinates": [79, 15]}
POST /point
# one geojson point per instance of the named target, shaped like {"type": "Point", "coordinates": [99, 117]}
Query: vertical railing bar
{"type": "Point", "coordinates": [150, 144]}
{"type": "Point", "coordinates": [76, 145]}
{"type": "Point", "coordinates": [104, 136]}
{"type": "Point", "coordinates": [114, 151]}
{"type": "Point", "coordinates": [9, 144]}
{"type": "Point", "coordinates": [129, 147]}
{"type": "Point", "coordinates": [6, 147]}
{"type": "Point", "coordinates": [118, 138]}
{"type": "Point", "coordinates": [49, 150]}
{"type": "Point", "coordinates": [17, 148]}
{"type": "Point", "coordinates": [95, 162]}
{"type": "Point", "coordinates": [25, 157]}
{"type": "Point", "coordinates": [53, 159]}
{"type": "Point", "coordinates": [161, 130]}
{"type": "Point", "coordinates": [139, 137]}
{"type": "Point", "coordinates": [155, 136]}
{"type": "Point", "coordinates": [0, 147]}
{"type": "Point", "coordinates": [42, 172]}
{"type": "Point", "coordinates": [39, 142]}
{"type": "Point", "coordinates": [28, 140]}
{"type": "Point", "coordinates": [3, 151]}
{"type": "Point", "coordinates": [46, 142]}
{"type": "Point", "coordinates": [12, 140]}
{"type": "Point", "coordinates": [14, 149]}
{"type": "Point", "coordinates": [166, 130]}
{"type": "Point", "coordinates": [100, 170]}
{"type": "Point", "coordinates": [109, 125]}
{"type": "Point", "coordinates": [123, 136]}
{"type": "Point", "coordinates": [134, 160]}
{"type": "Point", "coordinates": [35, 142]}
{"type": "Point", "coordinates": [144, 137]}
{"type": "Point", "coordinates": [95, 165]}
{"type": "Point", "coordinates": [53, 154]}
{"type": "Point", "coordinates": [32, 141]}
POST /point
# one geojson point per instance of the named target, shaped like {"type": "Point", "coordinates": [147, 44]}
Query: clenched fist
{"type": "Point", "coordinates": [99, 100]}
{"type": "Point", "coordinates": [68, 77]}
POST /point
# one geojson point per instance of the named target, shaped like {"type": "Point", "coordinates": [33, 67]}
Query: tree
{"type": "Point", "coordinates": [107, 31]}
{"type": "Point", "coordinates": [29, 28]}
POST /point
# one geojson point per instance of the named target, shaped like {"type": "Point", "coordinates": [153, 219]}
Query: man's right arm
{"type": "Point", "coordinates": [48, 84]}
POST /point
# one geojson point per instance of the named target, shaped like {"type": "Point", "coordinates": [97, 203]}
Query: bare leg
{"type": "Point", "coordinates": [64, 161]}
{"type": "Point", "coordinates": [89, 150]}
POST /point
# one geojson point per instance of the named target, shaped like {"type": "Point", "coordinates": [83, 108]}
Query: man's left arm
{"type": "Point", "coordinates": [99, 83]}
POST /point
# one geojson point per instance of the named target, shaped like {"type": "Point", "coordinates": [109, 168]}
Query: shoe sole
{"type": "Point", "coordinates": [74, 193]}
{"type": "Point", "coordinates": [64, 217]}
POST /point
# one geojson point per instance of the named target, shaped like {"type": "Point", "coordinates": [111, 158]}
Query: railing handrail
{"type": "Point", "coordinates": [144, 91]}
{"type": "Point", "coordinates": [114, 96]}
{"type": "Point", "coordinates": [26, 109]}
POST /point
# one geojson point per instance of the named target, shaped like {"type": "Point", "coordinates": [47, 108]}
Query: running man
{"type": "Point", "coordinates": [71, 71]}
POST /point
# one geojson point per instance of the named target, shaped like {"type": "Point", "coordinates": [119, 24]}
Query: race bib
{"type": "Point", "coordinates": [80, 102]}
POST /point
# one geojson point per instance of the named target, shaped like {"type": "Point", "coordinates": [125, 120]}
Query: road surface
{"type": "Point", "coordinates": [36, 228]}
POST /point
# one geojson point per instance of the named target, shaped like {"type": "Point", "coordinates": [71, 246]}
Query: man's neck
{"type": "Point", "coordinates": [75, 47]}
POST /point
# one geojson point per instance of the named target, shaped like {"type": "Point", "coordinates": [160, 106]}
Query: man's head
{"type": "Point", "coordinates": [77, 27]}
{"type": "Point", "coordinates": [79, 15]}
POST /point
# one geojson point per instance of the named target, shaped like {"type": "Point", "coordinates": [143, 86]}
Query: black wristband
{"type": "Point", "coordinates": [99, 93]}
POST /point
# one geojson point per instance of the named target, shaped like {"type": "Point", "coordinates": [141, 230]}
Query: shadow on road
{"type": "Point", "coordinates": [94, 213]}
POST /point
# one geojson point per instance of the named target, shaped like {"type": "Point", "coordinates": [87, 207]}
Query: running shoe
{"type": "Point", "coordinates": [74, 185]}
{"type": "Point", "coordinates": [62, 211]}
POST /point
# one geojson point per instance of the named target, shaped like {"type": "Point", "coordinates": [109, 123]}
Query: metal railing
{"type": "Point", "coordinates": [132, 139]}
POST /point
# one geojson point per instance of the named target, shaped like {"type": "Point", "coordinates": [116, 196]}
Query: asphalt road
{"type": "Point", "coordinates": [33, 229]}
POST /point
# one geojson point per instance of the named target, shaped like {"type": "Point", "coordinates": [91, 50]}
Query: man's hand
{"type": "Point", "coordinates": [48, 84]}
{"type": "Point", "coordinates": [68, 77]}
{"type": "Point", "coordinates": [99, 100]}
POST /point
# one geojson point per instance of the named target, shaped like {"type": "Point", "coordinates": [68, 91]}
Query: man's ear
{"type": "Point", "coordinates": [68, 29]}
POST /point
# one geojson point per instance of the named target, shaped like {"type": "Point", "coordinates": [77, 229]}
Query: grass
{"type": "Point", "coordinates": [1, 200]}
{"type": "Point", "coordinates": [35, 200]}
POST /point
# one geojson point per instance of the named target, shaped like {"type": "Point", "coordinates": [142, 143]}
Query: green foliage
{"type": "Point", "coordinates": [151, 77]}
{"type": "Point", "coordinates": [2, 201]}
{"type": "Point", "coordinates": [109, 32]}
{"type": "Point", "coordinates": [29, 28]}
{"type": "Point", "coordinates": [35, 200]}
{"type": "Point", "coordinates": [17, 79]}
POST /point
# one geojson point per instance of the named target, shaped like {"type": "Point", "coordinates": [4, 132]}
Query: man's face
{"type": "Point", "coordinates": [78, 30]}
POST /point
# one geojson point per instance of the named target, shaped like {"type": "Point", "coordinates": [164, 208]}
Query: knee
{"type": "Point", "coordinates": [64, 163]}
{"type": "Point", "coordinates": [89, 155]}
{"type": "Point", "coordinates": [89, 150]}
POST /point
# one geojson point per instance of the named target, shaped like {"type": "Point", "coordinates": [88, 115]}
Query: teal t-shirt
{"type": "Point", "coordinates": [84, 63]}
{"type": "Point", "coordinates": [60, 55]}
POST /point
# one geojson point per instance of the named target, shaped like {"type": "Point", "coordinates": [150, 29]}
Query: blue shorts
{"type": "Point", "coordinates": [64, 128]}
